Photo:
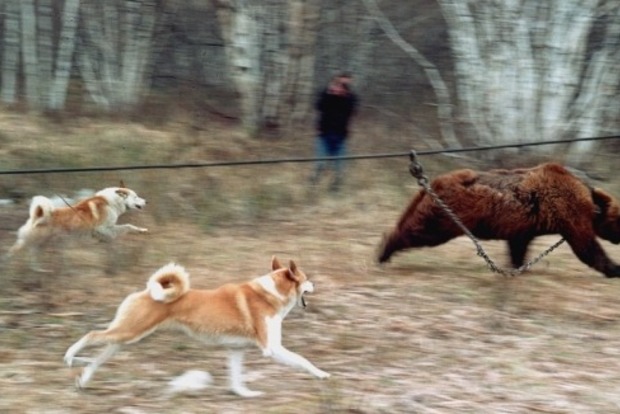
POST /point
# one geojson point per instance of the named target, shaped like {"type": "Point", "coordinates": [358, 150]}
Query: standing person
{"type": "Point", "coordinates": [336, 104]}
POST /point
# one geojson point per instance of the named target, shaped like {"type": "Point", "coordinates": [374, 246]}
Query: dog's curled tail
{"type": "Point", "coordinates": [40, 209]}
{"type": "Point", "coordinates": [168, 283]}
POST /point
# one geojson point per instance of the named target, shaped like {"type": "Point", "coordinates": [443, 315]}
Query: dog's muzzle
{"type": "Point", "coordinates": [138, 204]}
{"type": "Point", "coordinates": [306, 287]}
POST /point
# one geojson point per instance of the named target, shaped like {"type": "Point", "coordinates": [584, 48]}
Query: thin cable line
{"type": "Point", "coordinates": [293, 160]}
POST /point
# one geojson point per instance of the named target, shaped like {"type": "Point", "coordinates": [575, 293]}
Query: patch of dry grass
{"type": "Point", "coordinates": [431, 332]}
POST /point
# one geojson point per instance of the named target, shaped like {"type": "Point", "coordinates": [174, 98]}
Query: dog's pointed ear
{"type": "Point", "coordinates": [292, 266]}
{"type": "Point", "coordinates": [122, 184]}
{"type": "Point", "coordinates": [290, 274]}
{"type": "Point", "coordinates": [292, 271]}
{"type": "Point", "coordinates": [121, 193]}
{"type": "Point", "coordinates": [275, 263]}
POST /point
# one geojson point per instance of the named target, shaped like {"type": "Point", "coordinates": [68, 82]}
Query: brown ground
{"type": "Point", "coordinates": [431, 332]}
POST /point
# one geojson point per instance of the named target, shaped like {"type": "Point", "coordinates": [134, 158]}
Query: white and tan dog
{"type": "Point", "coordinates": [96, 215]}
{"type": "Point", "coordinates": [233, 315]}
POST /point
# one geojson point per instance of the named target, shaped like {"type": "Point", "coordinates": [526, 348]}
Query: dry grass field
{"type": "Point", "coordinates": [431, 332]}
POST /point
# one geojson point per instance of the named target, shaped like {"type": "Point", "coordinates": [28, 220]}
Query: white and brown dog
{"type": "Point", "coordinates": [233, 315]}
{"type": "Point", "coordinates": [96, 215]}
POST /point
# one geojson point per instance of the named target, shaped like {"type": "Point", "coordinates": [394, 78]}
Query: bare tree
{"type": "Point", "coordinates": [240, 31]}
{"type": "Point", "coordinates": [10, 51]}
{"type": "Point", "coordinates": [298, 92]}
{"type": "Point", "coordinates": [267, 43]}
{"type": "Point", "coordinates": [29, 51]}
{"type": "Point", "coordinates": [442, 93]}
{"type": "Point", "coordinates": [45, 48]}
{"type": "Point", "coordinates": [114, 50]}
{"type": "Point", "coordinates": [29, 27]}
{"type": "Point", "coordinates": [526, 70]}
{"type": "Point", "coordinates": [64, 56]}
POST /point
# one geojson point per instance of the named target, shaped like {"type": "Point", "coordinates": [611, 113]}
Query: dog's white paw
{"type": "Point", "coordinates": [142, 230]}
{"type": "Point", "coordinates": [38, 269]}
{"type": "Point", "coordinates": [322, 374]}
{"type": "Point", "coordinates": [79, 385]}
{"type": "Point", "coordinates": [82, 360]}
{"type": "Point", "coordinates": [246, 392]}
{"type": "Point", "coordinates": [68, 360]}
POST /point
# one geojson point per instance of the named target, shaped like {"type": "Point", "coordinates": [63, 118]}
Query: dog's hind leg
{"type": "Point", "coordinates": [111, 336]}
{"type": "Point", "coordinates": [73, 350]}
{"type": "Point", "coordinates": [90, 369]}
{"type": "Point", "coordinates": [235, 372]}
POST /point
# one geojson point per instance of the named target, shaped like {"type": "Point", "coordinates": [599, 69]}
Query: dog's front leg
{"type": "Point", "coordinates": [284, 356]}
{"type": "Point", "coordinates": [110, 233]}
{"type": "Point", "coordinates": [235, 368]}
{"type": "Point", "coordinates": [275, 350]}
{"type": "Point", "coordinates": [130, 228]}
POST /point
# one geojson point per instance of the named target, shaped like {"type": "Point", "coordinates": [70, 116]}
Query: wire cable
{"type": "Point", "coordinates": [294, 160]}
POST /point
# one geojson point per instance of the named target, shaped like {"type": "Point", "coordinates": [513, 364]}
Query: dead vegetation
{"type": "Point", "coordinates": [431, 332]}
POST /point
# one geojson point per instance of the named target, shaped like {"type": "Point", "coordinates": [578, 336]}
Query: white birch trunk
{"type": "Point", "coordinates": [596, 110]}
{"type": "Point", "coordinates": [303, 27]}
{"type": "Point", "coordinates": [138, 30]}
{"type": "Point", "coordinates": [29, 51]}
{"type": "Point", "coordinates": [115, 51]}
{"type": "Point", "coordinates": [242, 38]}
{"type": "Point", "coordinates": [10, 51]}
{"type": "Point", "coordinates": [64, 56]}
{"type": "Point", "coordinates": [520, 68]}
{"type": "Point", "coordinates": [274, 63]}
{"type": "Point", "coordinates": [93, 68]}
{"type": "Point", "coordinates": [262, 46]}
{"type": "Point", "coordinates": [45, 48]}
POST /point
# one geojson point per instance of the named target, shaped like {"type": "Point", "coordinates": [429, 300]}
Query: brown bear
{"type": "Point", "coordinates": [517, 206]}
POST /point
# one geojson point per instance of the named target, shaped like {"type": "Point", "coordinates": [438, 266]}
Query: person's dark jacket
{"type": "Point", "coordinates": [335, 112]}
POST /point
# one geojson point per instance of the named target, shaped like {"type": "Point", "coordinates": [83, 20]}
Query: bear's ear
{"type": "Point", "coordinates": [601, 199]}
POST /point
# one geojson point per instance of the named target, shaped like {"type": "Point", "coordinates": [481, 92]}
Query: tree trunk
{"type": "Point", "coordinates": [269, 49]}
{"type": "Point", "coordinates": [29, 51]}
{"type": "Point", "coordinates": [442, 93]}
{"type": "Point", "coordinates": [45, 48]}
{"type": "Point", "coordinates": [240, 30]}
{"type": "Point", "coordinates": [275, 60]}
{"type": "Point", "coordinates": [10, 51]}
{"type": "Point", "coordinates": [115, 50]}
{"type": "Point", "coordinates": [299, 90]}
{"type": "Point", "coordinates": [64, 56]}
{"type": "Point", "coordinates": [596, 110]}
{"type": "Point", "coordinates": [525, 71]}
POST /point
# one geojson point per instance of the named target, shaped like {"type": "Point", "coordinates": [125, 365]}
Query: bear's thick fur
{"type": "Point", "coordinates": [517, 206]}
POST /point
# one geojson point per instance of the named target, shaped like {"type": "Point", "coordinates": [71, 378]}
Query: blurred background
{"type": "Point", "coordinates": [118, 83]}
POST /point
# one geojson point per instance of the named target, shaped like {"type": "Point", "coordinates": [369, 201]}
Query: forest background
{"type": "Point", "coordinates": [492, 71]}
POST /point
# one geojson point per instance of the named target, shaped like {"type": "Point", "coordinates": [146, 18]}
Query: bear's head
{"type": "Point", "coordinates": [607, 218]}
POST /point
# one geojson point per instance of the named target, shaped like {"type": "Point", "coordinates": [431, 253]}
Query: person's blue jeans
{"type": "Point", "coordinates": [330, 145]}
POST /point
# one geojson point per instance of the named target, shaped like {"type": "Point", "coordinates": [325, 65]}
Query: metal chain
{"type": "Point", "coordinates": [416, 169]}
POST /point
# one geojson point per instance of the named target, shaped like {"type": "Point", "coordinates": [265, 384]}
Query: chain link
{"type": "Point", "coordinates": [417, 171]}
